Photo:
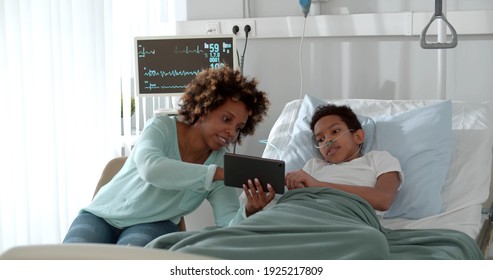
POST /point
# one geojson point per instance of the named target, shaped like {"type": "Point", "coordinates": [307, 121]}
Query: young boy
{"type": "Point", "coordinates": [375, 176]}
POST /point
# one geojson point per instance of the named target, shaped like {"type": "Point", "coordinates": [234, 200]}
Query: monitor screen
{"type": "Point", "coordinates": [165, 65]}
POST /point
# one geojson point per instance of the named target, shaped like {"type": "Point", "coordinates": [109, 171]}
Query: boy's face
{"type": "Point", "coordinates": [346, 143]}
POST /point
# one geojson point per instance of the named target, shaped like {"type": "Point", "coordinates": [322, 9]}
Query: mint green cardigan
{"type": "Point", "coordinates": [155, 185]}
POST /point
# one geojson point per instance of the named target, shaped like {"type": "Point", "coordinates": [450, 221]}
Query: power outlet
{"type": "Point", "coordinates": [241, 23]}
{"type": "Point", "coordinates": [213, 28]}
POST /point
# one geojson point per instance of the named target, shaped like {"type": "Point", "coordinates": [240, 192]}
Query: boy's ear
{"type": "Point", "coordinates": [359, 136]}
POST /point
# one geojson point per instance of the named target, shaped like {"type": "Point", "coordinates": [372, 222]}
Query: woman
{"type": "Point", "coordinates": [177, 163]}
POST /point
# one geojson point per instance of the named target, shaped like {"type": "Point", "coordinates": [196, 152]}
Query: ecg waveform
{"type": "Point", "coordinates": [187, 50]}
{"type": "Point", "coordinates": [150, 87]}
{"type": "Point", "coordinates": [143, 52]}
{"type": "Point", "coordinates": [172, 73]}
{"type": "Point", "coordinates": [213, 48]}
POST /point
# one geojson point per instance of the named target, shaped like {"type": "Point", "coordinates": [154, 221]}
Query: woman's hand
{"type": "Point", "coordinates": [299, 179]}
{"type": "Point", "coordinates": [256, 197]}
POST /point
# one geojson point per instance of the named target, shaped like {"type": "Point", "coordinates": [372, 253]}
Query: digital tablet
{"type": "Point", "coordinates": [239, 168]}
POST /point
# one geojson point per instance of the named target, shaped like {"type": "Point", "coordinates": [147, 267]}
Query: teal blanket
{"type": "Point", "coordinates": [320, 223]}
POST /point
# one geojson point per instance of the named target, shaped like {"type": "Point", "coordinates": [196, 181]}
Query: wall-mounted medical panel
{"type": "Point", "coordinates": [376, 24]}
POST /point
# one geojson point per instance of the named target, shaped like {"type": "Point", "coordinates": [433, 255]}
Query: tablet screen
{"type": "Point", "coordinates": [239, 168]}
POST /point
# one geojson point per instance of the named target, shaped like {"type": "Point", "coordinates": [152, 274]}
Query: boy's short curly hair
{"type": "Point", "coordinates": [211, 88]}
{"type": "Point", "coordinates": [344, 112]}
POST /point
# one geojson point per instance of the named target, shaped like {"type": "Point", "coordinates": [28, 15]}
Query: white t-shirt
{"type": "Point", "coordinates": [362, 171]}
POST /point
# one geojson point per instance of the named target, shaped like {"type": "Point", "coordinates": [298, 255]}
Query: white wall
{"type": "Point", "coordinates": [387, 67]}
{"type": "Point", "coordinates": [210, 9]}
{"type": "Point", "coordinates": [381, 67]}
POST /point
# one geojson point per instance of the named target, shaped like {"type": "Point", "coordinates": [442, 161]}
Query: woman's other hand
{"type": "Point", "coordinates": [256, 197]}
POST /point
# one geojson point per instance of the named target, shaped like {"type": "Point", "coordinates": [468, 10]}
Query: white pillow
{"type": "Point", "coordinates": [420, 138]}
{"type": "Point", "coordinates": [422, 141]}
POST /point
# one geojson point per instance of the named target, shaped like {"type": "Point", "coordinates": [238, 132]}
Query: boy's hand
{"type": "Point", "coordinates": [299, 179]}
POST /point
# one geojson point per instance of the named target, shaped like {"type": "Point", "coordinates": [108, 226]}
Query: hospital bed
{"type": "Point", "coordinates": [466, 199]}
{"type": "Point", "coordinates": [441, 212]}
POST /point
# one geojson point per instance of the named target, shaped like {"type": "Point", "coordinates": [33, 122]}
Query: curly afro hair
{"type": "Point", "coordinates": [344, 112]}
{"type": "Point", "coordinates": [211, 88]}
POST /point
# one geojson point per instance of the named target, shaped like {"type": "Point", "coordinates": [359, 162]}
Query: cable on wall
{"type": "Point", "coordinates": [301, 58]}
{"type": "Point", "coordinates": [305, 9]}
{"type": "Point", "coordinates": [241, 60]}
